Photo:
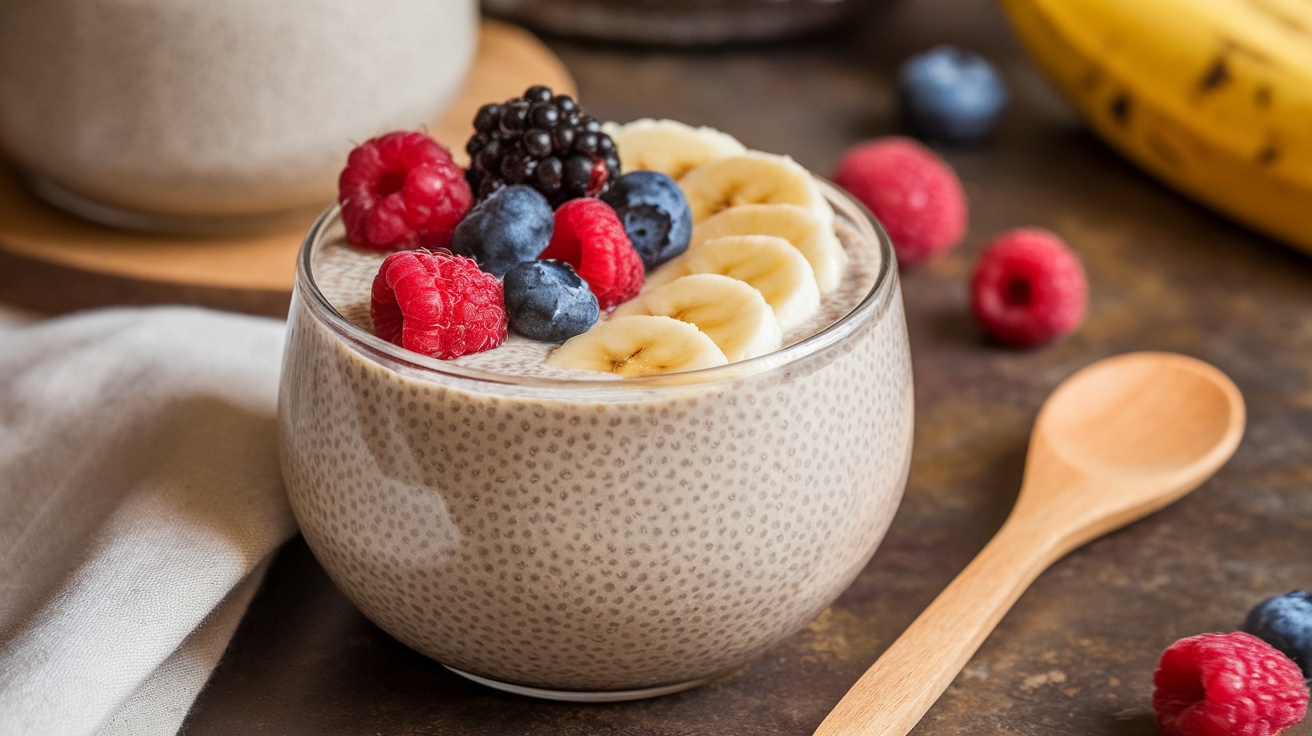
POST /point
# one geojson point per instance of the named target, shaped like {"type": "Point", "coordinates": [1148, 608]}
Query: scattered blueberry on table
{"type": "Point", "coordinates": [951, 94]}
{"type": "Point", "coordinates": [1285, 622]}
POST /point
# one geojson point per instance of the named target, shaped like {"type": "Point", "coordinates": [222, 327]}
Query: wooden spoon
{"type": "Point", "coordinates": [1116, 441]}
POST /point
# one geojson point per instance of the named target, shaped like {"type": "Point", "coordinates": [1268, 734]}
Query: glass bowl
{"type": "Point", "coordinates": [596, 539]}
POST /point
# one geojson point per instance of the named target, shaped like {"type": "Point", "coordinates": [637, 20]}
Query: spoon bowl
{"type": "Point", "coordinates": [1124, 437]}
{"type": "Point", "coordinates": [1116, 441]}
{"type": "Point", "coordinates": [1203, 406]}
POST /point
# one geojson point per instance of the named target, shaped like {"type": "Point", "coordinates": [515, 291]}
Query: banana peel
{"type": "Point", "coordinates": [1214, 97]}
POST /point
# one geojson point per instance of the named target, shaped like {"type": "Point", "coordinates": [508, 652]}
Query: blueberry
{"type": "Point", "coordinates": [1285, 622]}
{"type": "Point", "coordinates": [546, 300]}
{"type": "Point", "coordinates": [511, 226]}
{"type": "Point", "coordinates": [655, 215]}
{"type": "Point", "coordinates": [951, 94]}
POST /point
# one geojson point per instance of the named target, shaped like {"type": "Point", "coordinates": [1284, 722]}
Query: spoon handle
{"type": "Point", "coordinates": [897, 690]}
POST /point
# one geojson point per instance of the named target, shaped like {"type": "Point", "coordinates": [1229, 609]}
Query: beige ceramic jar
{"type": "Point", "coordinates": [204, 115]}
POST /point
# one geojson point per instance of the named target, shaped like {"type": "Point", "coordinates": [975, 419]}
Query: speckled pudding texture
{"type": "Point", "coordinates": [595, 535]}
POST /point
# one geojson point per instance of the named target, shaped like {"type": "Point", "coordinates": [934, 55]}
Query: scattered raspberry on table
{"type": "Point", "coordinates": [1028, 288]}
{"type": "Point", "coordinates": [915, 195]}
{"type": "Point", "coordinates": [1227, 685]}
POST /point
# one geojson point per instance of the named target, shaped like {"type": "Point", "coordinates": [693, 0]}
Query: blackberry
{"type": "Point", "coordinates": [542, 140]}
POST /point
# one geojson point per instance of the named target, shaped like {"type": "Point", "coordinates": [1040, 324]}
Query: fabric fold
{"type": "Point", "coordinates": [140, 499]}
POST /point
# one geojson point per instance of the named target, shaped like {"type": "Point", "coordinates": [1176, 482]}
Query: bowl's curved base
{"type": "Point", "coordinates": [584, 696]}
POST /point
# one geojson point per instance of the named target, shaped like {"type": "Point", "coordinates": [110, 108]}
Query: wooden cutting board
{"type": "Point", "coordinates": [55, 262]}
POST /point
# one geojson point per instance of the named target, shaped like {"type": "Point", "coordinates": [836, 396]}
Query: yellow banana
{"type": "Point", "coordinates": [1212, 96]}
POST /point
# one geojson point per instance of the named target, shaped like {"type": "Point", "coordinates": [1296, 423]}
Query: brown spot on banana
{"type": "Point", "coordinates": [1262, 96]}
{"type": "Point", "coordinates": [1216, 76]}
{"type": "Point", "coordinates": [1120, 108]}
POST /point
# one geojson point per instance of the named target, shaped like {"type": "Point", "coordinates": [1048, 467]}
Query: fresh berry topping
{"type": "Point", "coordinates": [510, 227]}
{"type": "Point", "coordinates": [951, 94]}
{"type": "Point", "coordinates": [1226, 685]}
{"type": "Point", "coordinates": [546, 300]}
{"type": "Point", "coordinates": [1028, 288]}
{"type": "Point", "coordinates": [438, 304]}
{"type": "Point", "coordinates": [401, 190]}
{"type": "Point", "coordinates": [543, 141]}
{"type": "Point", "coordinates": [914, 193]}
{"type": "Point", "coordinates": [590, 237]}
{"type": "Point", "coordinates": [655, 215]}
{"type": "Point", "coordinates": [1285, 622]}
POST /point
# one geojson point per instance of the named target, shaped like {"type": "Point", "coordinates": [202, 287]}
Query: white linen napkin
{"type": "Point", "coordinates": [140, 500]}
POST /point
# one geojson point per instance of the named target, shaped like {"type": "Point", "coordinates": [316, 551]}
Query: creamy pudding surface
{"type": "Point", "coordinates": [345, 273]}
{"type": "Point", "coordinates": [595, 534]}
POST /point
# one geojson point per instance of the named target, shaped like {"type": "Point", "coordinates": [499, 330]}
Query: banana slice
{"type": "Point", "coordinates": [752, 178]}
{"type": "Point", "coordinates": [638, 345]}
{"type": "Point", "coordinates": [732, 313]}
{"type": "Point", "coordinates": [797, 225]}
{"type": "Point", "coordinates": [769, 264]}
{"type": "Point", "coordinates": [668, 146]}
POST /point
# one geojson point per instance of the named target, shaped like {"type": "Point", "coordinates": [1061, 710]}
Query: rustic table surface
{"type": "Point", "coordinates": [1076, 654]}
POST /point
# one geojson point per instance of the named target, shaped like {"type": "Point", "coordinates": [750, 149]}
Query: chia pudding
{"type": "Point", "coordinates": [575, 535]}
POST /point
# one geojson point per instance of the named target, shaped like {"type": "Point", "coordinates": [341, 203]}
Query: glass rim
{"type": "Point", "coordinates": [829, 338]}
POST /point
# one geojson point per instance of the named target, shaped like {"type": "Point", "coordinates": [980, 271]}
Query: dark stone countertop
{"type": "Point", "coordinates": [1076, 654]}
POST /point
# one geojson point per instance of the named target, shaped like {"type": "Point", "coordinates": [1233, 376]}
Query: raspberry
{"type": "Point", "coordinates": [400, 191]}
{"type": "Point", "coordinates": [1226, 685]}
{"type": "Point", "coordinates": [914, 193]}
{"type": "Point", "coordinates": [590, 237]}
{"type": "Point", "coordinates": [437, 304]}
{"type": "Point", "coordinates": [1028, 288]}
